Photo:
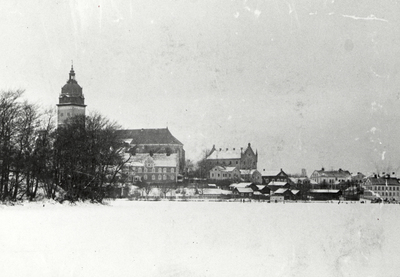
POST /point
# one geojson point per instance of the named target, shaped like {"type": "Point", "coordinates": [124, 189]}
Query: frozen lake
{"type": "Point", "coordinates": [139, 238]}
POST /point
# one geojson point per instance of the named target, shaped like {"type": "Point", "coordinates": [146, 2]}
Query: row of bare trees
{"type": "Point", "coordinates": [78, 161]}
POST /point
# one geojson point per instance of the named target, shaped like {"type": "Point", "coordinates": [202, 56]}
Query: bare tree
{"type": "Point", "coordinates": [87, 148]}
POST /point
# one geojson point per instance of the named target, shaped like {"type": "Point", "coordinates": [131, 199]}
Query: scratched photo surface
{"type": "Point", "coordinates": [310, 84]}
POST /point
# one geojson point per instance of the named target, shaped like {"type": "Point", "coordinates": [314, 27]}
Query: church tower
{"type": "Point", "coordinates": [71, 100]}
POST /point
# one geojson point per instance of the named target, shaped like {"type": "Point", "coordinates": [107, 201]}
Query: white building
{"type": "Point", "coordinates": [224, 173]}
{"type": "Point", "coordinates": [385, 187]}
{"type": "Point", "coordinates": [155, 168]}
{"type": "Point", "coordinates": [330, 176]}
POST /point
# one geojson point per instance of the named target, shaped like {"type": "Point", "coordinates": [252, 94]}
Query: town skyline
{"type": "Point", "coordinates": [309, 85]}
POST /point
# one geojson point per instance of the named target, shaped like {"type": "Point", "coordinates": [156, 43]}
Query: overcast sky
{"type": "Point", "coordinates": [309, 84]}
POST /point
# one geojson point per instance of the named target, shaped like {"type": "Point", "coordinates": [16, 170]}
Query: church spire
{"type": "Point", "coordinates": [72, 73]}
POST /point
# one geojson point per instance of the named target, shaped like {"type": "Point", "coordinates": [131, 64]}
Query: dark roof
{"type": "Point", "coordinates": [71, 92]}
{"type": "Point", "coordinates": [148, 136]}
{"type": "Point", "coordinates": [334, 173]}
{"type": "Point", "coordinates": [384, 181]}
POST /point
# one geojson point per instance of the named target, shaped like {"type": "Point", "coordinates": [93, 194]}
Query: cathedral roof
{"type": "Point", "coordinates": [71, 92]}
{"type": "Point", "coordinates": [148, 136]}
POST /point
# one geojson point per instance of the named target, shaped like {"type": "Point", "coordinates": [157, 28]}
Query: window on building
{"type": "Point", "coordinates": [145, 170]}
{"type": "Point", "coordinates": [153, 177]}
{"type": "Point", "coordinates": [145, 177]}
{"type": "Point", "coordinates": [160, 170]}
{"type": "Point", "coordinates": [172, 177]}
{"type": "Point", "coordinates": [165, 177]}
{"type": "Point", "coordinates": [140, 170]}
{"type": "Point", "coordinates": [159, 177]}
{"type": "Point", "coordinates": [165, 170]}
{"type": "Point", "coordinates": [172, 170]}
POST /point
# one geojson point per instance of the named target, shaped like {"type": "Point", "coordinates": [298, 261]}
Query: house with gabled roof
{"type": "Point", "coordinates": [273, 186]}
{"type": "Point", "coordinates": [243, 192]}
{"type": "Point", "coordinates": [274, 176]}
{"type": "Point", "coordinates": [251, 175]}
{"type": "Point", "coordinates": [285, 192]}
{"type": "Point", "coordinates": [330, 177]}
{"type": "Point", "coordinates": [224, 173]}
{"type": "Point", "coordinates": [237, 157]}
{"type": "Point", "coordinates": [153, 141]}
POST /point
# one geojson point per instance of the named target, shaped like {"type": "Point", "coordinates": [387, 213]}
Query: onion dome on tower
{"type": "Point", "coordinates": [71, 100]}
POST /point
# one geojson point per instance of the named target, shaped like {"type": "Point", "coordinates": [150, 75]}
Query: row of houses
{"type": "Point", "coordinates": [274, 192]}
{"type": "Point", "coordinates": [156, 156]}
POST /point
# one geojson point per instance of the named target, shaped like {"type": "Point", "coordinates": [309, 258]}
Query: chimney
{"type": "Point", "coordinates": [233, 149]}
{"type": "Point", "coordinates": [322, 169]}
{"type": "Point", "coordinates": [220, 149]}
{"type": "Point", "coordinates": [226, 149]}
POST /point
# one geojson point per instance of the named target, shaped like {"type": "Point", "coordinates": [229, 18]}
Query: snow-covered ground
{"type": "Point", "coordinates": [139, 238]}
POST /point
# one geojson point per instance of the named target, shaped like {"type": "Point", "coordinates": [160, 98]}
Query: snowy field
{"type": "Point", "coordinates": [138, 238]}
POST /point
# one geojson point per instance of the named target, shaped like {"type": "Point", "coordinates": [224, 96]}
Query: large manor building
{"type": "Point", "coordinates": [234, 157]}
{"type": "Point", "coordinates": [154, 141]}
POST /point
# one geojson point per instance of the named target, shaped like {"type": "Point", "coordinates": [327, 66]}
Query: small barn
{"type": "Point", "coordinates": [286, 193]}
{"type": "Point", "coordinates": [243, 192]}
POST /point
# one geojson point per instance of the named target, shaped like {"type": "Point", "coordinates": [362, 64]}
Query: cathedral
{"type": "Point", "coordinates": [71, 101]}
{"type": "Point", "coordinates": [157, 142]}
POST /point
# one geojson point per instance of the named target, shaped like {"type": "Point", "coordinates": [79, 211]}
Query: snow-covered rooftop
{"type": "Point", "coordinates": [270, 173]}
{"type": "Point", "coordinates": [324, 190]}
{"type": "Point", "coordinates": [278, 191]}
{"type": "Point", "coordinates": [232, 153]}
{"type": "Point", "coordinates": [244, 190]}
{"type": "Point", "coordinates": [277, 183]}
{"type": "Point", "coordinates": [240, 185]}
